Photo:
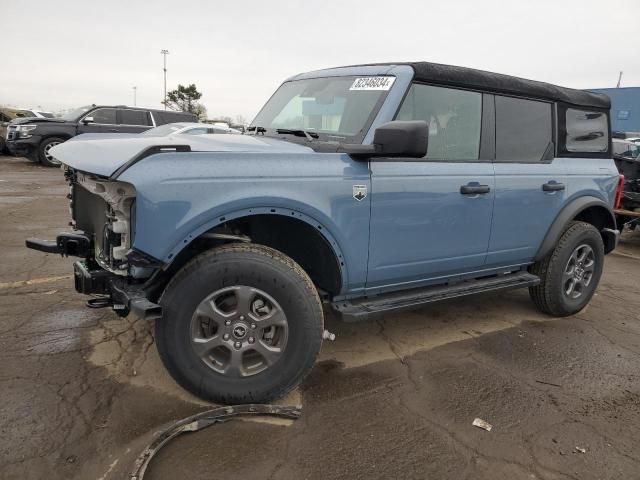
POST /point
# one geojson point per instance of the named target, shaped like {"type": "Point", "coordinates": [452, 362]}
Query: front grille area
{"type": "Point", "coordinates": [89, 211]}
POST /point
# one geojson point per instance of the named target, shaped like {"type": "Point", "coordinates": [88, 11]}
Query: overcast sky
{"type": "Point", "coordinates": [67, 53]}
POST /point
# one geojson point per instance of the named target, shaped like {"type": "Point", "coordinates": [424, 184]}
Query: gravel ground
{"type": "Point", "coordinates": [82, 391]}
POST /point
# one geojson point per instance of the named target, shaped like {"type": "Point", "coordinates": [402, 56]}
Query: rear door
{"type": "Point", "coordinates": [133, 121]}
{"type": "Point", "coordinates": [431, 218]}
{"type": "Point", "coordinates": [530, 182]}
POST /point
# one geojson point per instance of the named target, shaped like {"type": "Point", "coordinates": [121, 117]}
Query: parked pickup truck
{"type": "Point", "coordinates": [368, 189]}
{"type": "Point", "coordinates": [34, 137]}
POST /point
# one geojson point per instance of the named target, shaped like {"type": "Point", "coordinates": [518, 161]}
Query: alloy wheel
{"type": "Point", "coordinates": [239, 331]}
{"type": "Point", "coordinates": [578, 272]}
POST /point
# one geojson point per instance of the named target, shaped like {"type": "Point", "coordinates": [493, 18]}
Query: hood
{"type": "Point", "coordinates": [23, 120]}
{"type": "Point", "coordinates": [103, 156]}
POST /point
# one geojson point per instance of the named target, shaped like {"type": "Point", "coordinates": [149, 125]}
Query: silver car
{"type": "Point", "coordinates": [187, 128]}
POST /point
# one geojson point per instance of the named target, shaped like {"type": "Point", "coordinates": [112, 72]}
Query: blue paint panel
{"type": "Point", "coordinates": [523, 211]}
{"type": "Point", "coordinates": [180, 195]}
{"type": "Point", "coordinates": [103, 155]}
{"type": "Point", "coordinates": [594, 177]}
{"type": "Point", "coordinates": [422, 226]}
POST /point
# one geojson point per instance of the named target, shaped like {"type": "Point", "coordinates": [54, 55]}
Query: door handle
{"type": "Point", "coordinates": [552, 186]}
{"type": "Point", "coordinates": [474, 189]}
{"type": "Point", "coordinates": [113, 130]}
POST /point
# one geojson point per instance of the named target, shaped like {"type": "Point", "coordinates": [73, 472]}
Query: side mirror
{"type": "Point", "coordinates": [86, 120]}
{"type": "Point", "coordinates": [394, 139]}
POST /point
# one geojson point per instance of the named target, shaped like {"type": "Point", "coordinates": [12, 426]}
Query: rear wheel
{"type": "Point", "coordinates": [570, 274]}
{"type": "Point", "coordinates": [44, 154]}
{"type": "Point", "coordinates": [242, 323]}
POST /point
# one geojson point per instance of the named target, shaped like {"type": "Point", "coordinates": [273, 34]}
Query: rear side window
{"type": "Point", "coordinates": [163, 117]}
{"type": "Point", "coordinates": [454, 118]}
{"type": "Point", "coordinates": [134, 117]}
{"type": "Point", "coordinates": [523, 130]}
{"type": "Point", "coordinates": [586, 131]}
{"type": "Point", "coordinates": [104, 115]}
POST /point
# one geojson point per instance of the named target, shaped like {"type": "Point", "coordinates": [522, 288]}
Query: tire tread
{"type": "Point", "coordinates": [544, 295]}
{"type": "Point", "coordinates": [212, 255]}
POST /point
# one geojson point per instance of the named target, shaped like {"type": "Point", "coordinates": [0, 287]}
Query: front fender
{"type": "Point", "coordinates": [179, 196]}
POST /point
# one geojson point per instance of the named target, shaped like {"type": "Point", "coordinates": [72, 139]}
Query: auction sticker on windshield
{"type": "Point", "coordinates": [372, 83]}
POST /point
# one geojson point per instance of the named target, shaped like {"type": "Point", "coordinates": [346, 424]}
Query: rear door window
{"type": "Point", "coordinates": [135, 117]}
{"type": "Point", "coordinates": [454, 118]}
{"type": "Point", "coordinates": [523, 129]}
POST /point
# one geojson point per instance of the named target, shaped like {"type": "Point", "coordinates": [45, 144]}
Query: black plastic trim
{"type": "Point", "coordinates": [565, 216]}
{"type": "Point", "coordinates": [138, 258]}
{"type": "Point", "coordinates": [488, 129]}
{"type": "Point", "coordinates": [366, 308]}
{"type": "Point", "coordinates": [147, 153]}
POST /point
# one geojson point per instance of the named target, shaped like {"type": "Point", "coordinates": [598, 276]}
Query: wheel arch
{"type": "Point", "coordinates": [588, 209]}
{"type": "Point", "coordinates": [276, 227]}
{"type": "Point", "coordinates": [47, 136]}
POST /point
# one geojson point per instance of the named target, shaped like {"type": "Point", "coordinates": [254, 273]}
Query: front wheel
{"type": "Point", "coordinates": [44, 154]}
{"type": "Point", "coordinates": [570, 274]}
{"type": "Point", "coordinates": [241, 323]}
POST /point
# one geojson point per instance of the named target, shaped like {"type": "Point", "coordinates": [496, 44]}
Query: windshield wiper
{"type": "Point", "coordinates": [298, 133]}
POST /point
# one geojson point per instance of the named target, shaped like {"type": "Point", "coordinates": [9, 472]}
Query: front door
{"type": "Point", "coordinates": [431, 218]}
{"type": "Point", "coordinates": [102, 120]}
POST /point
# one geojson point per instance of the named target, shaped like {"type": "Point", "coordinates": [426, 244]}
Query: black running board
{"type": "Point", "coordinates": [362, 308]}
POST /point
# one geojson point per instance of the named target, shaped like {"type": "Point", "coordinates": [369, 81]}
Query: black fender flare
{"type": "Point", "coordinates": [567, 214]}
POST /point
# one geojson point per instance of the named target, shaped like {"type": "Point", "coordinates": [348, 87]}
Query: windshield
{"type": "Point", "coordinates": [335, 108]}
{"type": "Point", "coordinates": [163, 130]}
{"type": "Point", "coordinates": [76, 114]}
{"type": "Point", "coordinates": [47, 114]}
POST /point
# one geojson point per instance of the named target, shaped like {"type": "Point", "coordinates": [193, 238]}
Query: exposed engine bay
{"type": "Point", "coordinates": [103, 209]}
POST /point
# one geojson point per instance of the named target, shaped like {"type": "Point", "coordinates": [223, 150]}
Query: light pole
{"type": "Point", "coordinates": [134, 95]}
{"type": "Point", "coordinates": [164, 55]}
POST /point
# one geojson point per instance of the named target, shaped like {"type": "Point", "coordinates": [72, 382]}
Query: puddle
{"type": "Point", "coordinates": [57, 332]}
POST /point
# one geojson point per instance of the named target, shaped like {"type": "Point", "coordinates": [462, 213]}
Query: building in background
{"type": "Point", "coordinates": [625, 108]}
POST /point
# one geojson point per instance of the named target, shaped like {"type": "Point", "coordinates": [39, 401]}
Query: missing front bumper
{"type": "Point", "coordinates": [122, 297]}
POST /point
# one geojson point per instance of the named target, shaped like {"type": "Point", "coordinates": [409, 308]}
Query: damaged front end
{"type": "Point", "coordinates": [103, 220]}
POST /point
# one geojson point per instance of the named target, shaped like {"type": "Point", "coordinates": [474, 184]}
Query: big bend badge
{"type": "Point", "coordinates": [359, 192]}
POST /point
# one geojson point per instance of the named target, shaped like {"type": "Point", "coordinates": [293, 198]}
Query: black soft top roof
{"type": "Point", "coordinates": [499, 83]}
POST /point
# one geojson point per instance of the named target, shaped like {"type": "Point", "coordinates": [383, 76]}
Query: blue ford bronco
{"type": "Point", "coordinates": [366, 189]}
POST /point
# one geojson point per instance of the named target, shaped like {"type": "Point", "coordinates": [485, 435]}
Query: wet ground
{"type": "Point", "coordinates": [82, 391]}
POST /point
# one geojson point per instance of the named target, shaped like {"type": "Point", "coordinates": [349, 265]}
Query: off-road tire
{"type": "Point", "coordinates": [548, 296]}
{"type": "Point", "coordinates": [42, 148]}
{"type": "Point", "coordinates": [258, 267]}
